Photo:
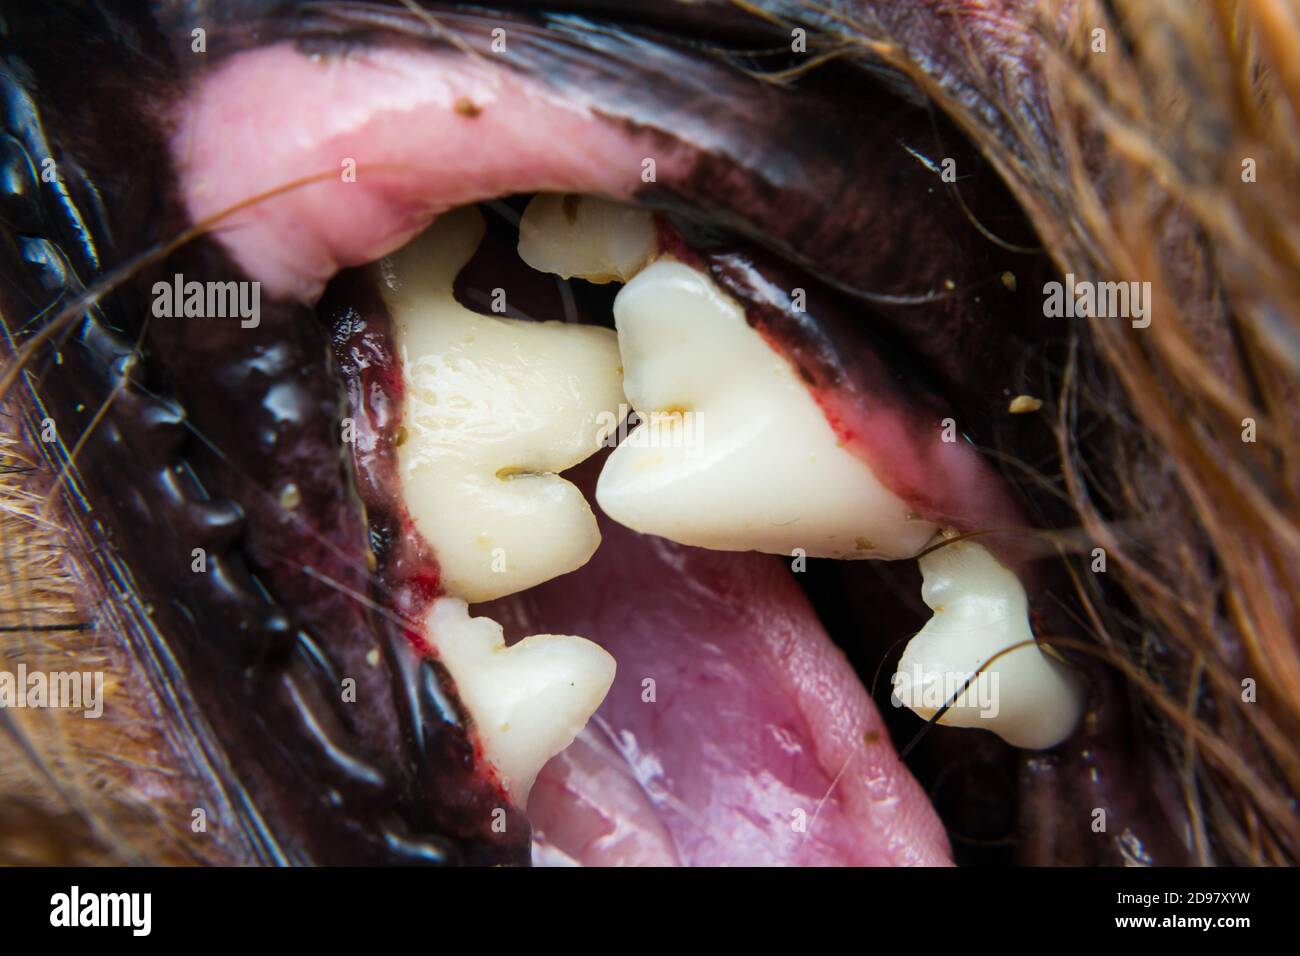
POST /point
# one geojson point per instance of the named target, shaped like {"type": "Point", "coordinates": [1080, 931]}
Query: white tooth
{"type": "Point", "coordinates": [528, 701]}
{"type": "Point", "coordinates": [1027, 697]}
{"type": "Point", "coordinates": [586, 236]}
{"type": "Point", "coordinates": [733, 452]}
{"type": "Point", "coordinates": [493, 408]}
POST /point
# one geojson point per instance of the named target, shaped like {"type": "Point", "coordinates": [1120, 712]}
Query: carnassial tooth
{"type": "Point", "coordinates": [494, 407]}
{"type": "Point", "coordinates": [733, 452]}
{"type": "Point", "coordinates": [528, 701]}
{"type": "Point", "coordinates": [586, 236]}
{"type": "Point", "coordinates": [1027, 697]}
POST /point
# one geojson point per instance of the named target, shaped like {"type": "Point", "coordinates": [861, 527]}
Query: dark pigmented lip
{"type": "Point", "coordinates": [408, 772]}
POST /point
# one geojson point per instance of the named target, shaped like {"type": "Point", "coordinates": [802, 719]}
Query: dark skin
{"type": "Point", "coordinates": [189, 455]}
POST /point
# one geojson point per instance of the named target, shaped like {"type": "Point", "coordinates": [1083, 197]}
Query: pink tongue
{"type": "Point", "coordinates": [735, 732]}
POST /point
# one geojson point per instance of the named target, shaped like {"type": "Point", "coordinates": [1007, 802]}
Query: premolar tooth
{"type": "Point", "coordinates": [1026, 697]}
{"type": "Point", "coordinates": [733, 452]}
{"type": "Point", "coordinates": [494, 407]}
{"type": "Point", "coordinates": [586, 236]}
{"type": "Point", "coordinates": [528, 701]}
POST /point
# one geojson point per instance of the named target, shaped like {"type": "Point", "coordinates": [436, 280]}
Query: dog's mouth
{"type": "Point", "coordinates": [734, 731]}
{"type": "Point", "coordinates": [496, 238]}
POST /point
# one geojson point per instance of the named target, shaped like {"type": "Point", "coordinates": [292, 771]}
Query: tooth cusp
{"type": "Point", "coordinates": [527, 701]}
{"type": "Point", "coordinates": [586, 237]}
{"type": "Point", "coordinates": [1025, 696]}
{"type": "Point", "coordinates": [494, 408]}
{"type": "Point", "coordinates": [733, 453]}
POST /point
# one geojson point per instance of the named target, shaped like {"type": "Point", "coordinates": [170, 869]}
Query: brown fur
{"type": "Point", "coordinates": [1138, 176]}
{"type": "Point", "coordinates": [75, 791]}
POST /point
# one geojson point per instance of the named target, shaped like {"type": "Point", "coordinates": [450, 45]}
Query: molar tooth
{"type": "Point", "coordinates": [494, 408]}
{"type": "Point", "coordinates": [586, 236]}
{"type": "Point", "coordinates": [528, 701]}
{"type": "Point", "coordinates": [733, 453]}
{"type": "Point", "coordinates": [1026, 696]}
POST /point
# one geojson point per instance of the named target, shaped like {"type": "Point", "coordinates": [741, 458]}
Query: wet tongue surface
{"type": "Point", "coordinates": [735, 732]}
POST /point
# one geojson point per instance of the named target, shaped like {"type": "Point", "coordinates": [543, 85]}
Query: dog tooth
{"type": "Point", "coordinates": [494, 408]}
{"type": "Point", "coordinates": [1027, 696]}
{"type": "Point", "coordinates": [586, 236]}
{"type": "Point", "coordinates": [733, 452]}
{"type": "Point", "coordinates": [527, 701]}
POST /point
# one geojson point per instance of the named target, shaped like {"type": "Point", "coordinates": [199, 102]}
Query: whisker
{"type": "Point", "coordinates": [69, 461]}
{"type": "Point", "coordinates": [362, 599]}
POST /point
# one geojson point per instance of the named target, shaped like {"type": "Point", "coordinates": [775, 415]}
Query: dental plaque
{"type": "Point", "coordinates": [495, 409]}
